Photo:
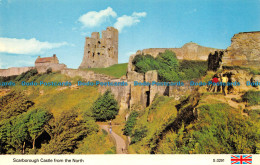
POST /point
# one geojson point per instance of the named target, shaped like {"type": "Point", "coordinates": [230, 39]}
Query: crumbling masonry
{"type": "Point", "coordinates": [101, 52]}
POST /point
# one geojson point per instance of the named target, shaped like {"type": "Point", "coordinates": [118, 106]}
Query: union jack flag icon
{"type": "Point", "coordinates": [241, 159]}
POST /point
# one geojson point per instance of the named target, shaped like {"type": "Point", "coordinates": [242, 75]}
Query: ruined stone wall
{"type": "Point", "coordinates": [189, 51]}
{"type": "Point", "coordinates": [131, 96]}
{"type": "Point", "coordinates": [14, 71]}
{"type": "Point", "coordinates": [101, 52]}
{"type": "Point", "coordinates": [244, 50]}
{"type": "Point", "coordinates": [144, 95]}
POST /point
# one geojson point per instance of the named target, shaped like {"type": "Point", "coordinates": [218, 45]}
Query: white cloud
{"type": "Point", "coordinates": [141, 14]}
{"type": "Point", "coordinates": [24, 46]}
{"type": "Point", "coordinates": [125, 20]}
{"type": "Point", "coordinates": [93, 18]}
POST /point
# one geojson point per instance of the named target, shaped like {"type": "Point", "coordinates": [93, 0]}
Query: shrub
{"type": "Point", "coordinates": [105, 107]}
{"type": "Point", "coordinates": [193, 69]}
{"type": "Point", "coordinates": [139, 134]}
{"type": "Point", "coordinates": [144, 63]}
{"type": "Point", "coordinates": [169, 58]}
{"type": "Point", "coordinates": [130, 123]}
{"type": "Point", "coordinates": [169, 68]}
{"type": "Point", "coordinates": [26, 75]}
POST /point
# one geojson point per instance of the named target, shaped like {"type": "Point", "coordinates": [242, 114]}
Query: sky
{"type": "Point", "coordinates": [32, 28]}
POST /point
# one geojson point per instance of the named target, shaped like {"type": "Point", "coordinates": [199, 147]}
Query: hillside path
{"type": "Point", "coordinates": [234, 104]}
{"type": "Point", "coordinates": [120, 142]}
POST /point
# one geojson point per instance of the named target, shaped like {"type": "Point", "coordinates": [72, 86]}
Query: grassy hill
{"type": "Point", "coordinates": [203, 123]}
{"type": "Point", "coordinates": [59, 120]}
{"type": "Point", "coordinates": [117, 70]}
{"type": "Point", "coordinates": [50, 120]}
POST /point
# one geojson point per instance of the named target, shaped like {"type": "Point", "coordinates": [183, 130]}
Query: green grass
{"type": "Point", "coordinates": [96, 144]}
{"type": "Point", "coordinates": [216, 130]}
{"type": "Point", "coordinates": [252, 97]}
{"type": "Point", "coordinates": [117, 70]}
{"type": "Point", "coordinates": [150, 122]}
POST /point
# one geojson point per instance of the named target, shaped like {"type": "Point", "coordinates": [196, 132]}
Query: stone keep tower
{"type": "Point", "coordinates": [101, 52]}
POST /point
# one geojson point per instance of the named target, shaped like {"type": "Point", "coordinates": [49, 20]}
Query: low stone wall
{"type": "Point", "coordinates": [14, 71]}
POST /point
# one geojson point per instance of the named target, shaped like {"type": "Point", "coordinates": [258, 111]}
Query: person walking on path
{"type": "Point", "coordinates": [110, 129]}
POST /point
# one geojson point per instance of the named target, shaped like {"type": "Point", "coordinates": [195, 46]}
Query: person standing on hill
{"type": "Point", "coordinates": [224, 84]}
{"type": "Point", "coordinates": [215, 83]}
{"type": "Point", "coordinates": [219, 80]}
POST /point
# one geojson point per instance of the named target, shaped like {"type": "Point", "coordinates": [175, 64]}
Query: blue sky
{"type": "Point", "coordinates": [30, 28]}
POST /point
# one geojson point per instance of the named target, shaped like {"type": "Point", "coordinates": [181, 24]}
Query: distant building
{"type": "Point", "coordinates": [45, 63]}
{"type": "Point", "coordinates": [46, 60]}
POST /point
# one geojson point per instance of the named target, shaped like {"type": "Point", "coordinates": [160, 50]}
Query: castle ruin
{"type": "Point", "coordinates": [101, 52]}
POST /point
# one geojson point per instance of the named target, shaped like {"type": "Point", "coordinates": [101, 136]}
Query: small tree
{"type": "Point", "coordinates": [37, 120]}
{"type": "Point", "coordinates": [105, 107]}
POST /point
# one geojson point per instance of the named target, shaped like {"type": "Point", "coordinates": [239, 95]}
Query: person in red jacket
{"type": "Point", "coordinates": [215, 83]}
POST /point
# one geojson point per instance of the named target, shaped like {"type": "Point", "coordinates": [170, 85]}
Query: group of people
{"type": "Point", "coordinates": [220, 82]}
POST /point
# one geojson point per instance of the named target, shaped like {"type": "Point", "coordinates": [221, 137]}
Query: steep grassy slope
{"type": "Point", "coordinates": [68, 125]}
{"type": "Point", "coordinates": [201, 123]}
{"type": "Point", "coordinates": [150, 124]}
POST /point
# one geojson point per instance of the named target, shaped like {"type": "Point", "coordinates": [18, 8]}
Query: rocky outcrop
{"type": "Point", "coordinates": [215, 60]}
{"type": "Point", "coordinates": [14, 71]}
{"type": "Point", "coordinates": [244, 50]}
